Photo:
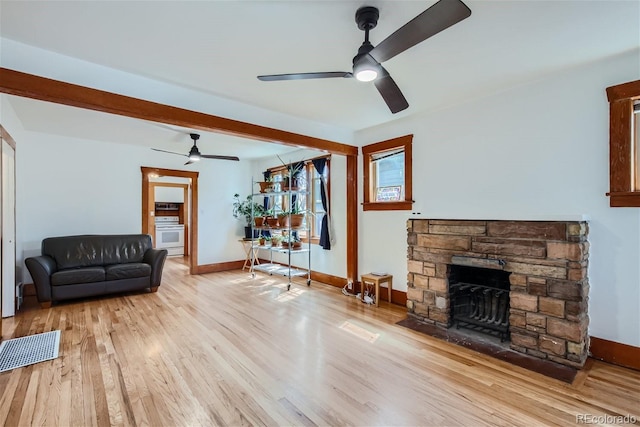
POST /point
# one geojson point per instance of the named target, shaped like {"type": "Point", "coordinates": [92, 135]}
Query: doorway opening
{"type": "Point", "coordinates": [10, 292]}
{"type": "Point", "coordinates": [171, 214]}
{"type": "Point", "coordinates": [190, 211]}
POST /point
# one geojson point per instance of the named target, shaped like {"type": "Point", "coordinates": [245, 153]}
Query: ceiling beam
{"type": "Point", "coordinates": [31, 86]}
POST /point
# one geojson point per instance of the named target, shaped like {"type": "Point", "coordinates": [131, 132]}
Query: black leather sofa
{"type": "Point", "coordinates": [90, 265]}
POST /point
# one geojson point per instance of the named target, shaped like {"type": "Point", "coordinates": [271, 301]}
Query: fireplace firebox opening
{"type": "Point", "coordinates": [480, 300]}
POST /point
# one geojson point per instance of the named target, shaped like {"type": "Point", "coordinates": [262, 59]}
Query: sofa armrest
{"type": "Point", "coordinates": [41, 268]}
{"type": "Point", "coordinates": [155, 258]}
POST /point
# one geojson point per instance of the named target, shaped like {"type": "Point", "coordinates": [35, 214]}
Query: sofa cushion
{"type": "Point", "coordinates": [74, 251]}
{"type": "Point", "coordinates": [119, 249]}
{"type": "Point", "coordinates": [127, 271]}
{"type": "Point", "coordinates": [78, 275]}
{"type": "Point", "coordinates": [96, 250]}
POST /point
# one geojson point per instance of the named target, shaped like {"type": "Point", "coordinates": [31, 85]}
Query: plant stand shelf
{"type": "Point", "coordinates": [280, 267]}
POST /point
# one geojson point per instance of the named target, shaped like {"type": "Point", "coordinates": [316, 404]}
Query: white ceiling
{"type": "Point", "coordinates": [219, 47]}
{"type": "Point", "coordinates": [45, 117]}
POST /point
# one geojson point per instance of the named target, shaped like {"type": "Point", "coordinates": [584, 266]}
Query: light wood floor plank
{"type": "Point", "coordinates": [228, 349]}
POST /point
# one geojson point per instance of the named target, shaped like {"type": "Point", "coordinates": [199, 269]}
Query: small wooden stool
{"type": "Point", "coordinates": [248, 248]}
{"type": "Point", "coordinates": [376, 280]}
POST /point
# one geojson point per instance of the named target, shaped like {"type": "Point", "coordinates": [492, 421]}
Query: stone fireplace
{"type": "Point", "coordinates": [545, 265]}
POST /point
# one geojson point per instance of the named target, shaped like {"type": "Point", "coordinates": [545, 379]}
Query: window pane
{"type": "Point", "coordinates": [277, 201]}
{"type": "Point", "coordinates": [317, 195]}
{"type": "Point", "coordinates": [635, 140]}
{"type": "Point", "coordinates": [391, 171]}
{"type": "Point", "coordinates": [316, 205]}
{"type": "Point", "coordinates": [390, 178]}
{"type": "Point", "coordinates": [318, 224]}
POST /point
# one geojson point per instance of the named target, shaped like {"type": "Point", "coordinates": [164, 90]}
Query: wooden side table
{"type": "Point", "coordinates": [376, 280]}
{"type": "Point", "coordinates": [248, 248]}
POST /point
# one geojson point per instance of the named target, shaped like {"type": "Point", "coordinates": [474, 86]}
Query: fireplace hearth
{"type": "Point", "coordinates": [524, 281]}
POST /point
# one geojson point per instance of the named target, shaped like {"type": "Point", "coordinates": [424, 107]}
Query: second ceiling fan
{"type": "Point", "coordinates": [195, 155]}
{"type": "Point", "coordinates": [367, 63]}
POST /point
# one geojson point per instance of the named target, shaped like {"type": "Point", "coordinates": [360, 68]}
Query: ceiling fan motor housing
{"type": "Point", "coordinates": [367, 17]}
{"type": "Point", "coordinates": [194, 153]}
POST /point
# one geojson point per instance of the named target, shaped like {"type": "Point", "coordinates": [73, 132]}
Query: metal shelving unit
{"type": "Point", "coordinates": [274, 268]}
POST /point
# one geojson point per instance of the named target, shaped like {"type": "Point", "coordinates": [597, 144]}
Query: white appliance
{"type": "Point", "coordinates": [170, 234]}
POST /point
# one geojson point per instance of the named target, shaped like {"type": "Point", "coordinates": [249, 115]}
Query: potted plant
{"type": "Point", "coordinates": [245, 209]}
{"type": "Point", "coordinates": [292, 218]}
{"type": "Point", "coordinates": [283, 219]}
{"type": "Point", "coordinates": [286, 239]}
{"type": "Point", "coordinates": [296, 216]}
{"type": "Point", "coordinates": [276, 240]}
{"type": "Point", "coordinates": [290, 179]}
{"type": "Point", "coordinates": [258, 221]}
{"type": "Point", "coordinates": [266, 185]}
{"type": "Point", "coordinates": [270, 218]}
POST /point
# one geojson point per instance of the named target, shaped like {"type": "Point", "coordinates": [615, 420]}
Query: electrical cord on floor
{"type": "Point", "coordinates": [367, 299]}
{"type": "Point", "coordinates": [346, 292]}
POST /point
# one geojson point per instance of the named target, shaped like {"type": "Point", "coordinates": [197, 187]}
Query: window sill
{"type": "Point", "coordinates": [314, 240]}
{"type": "Point", "coordinates": [624, 199]}
{"type": "Point", "coordinates": [388, 206]}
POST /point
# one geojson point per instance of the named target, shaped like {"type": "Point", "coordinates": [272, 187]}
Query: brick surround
{"type": "Point", "coordinates": [548, 262]}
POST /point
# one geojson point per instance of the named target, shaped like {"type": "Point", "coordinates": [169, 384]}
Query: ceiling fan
{"type": "Point", "coordinates": [367, 63]}
{"type": "Point", "coordinates": [195, 155]}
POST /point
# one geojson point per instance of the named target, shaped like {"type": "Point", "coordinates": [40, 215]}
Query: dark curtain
{"type": "Point", "coordinates": [265, 203]}
{"type": "Point", "coordinates": [325, 238]}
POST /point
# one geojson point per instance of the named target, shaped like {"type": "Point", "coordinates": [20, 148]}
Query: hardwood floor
{"type": "Point", "coordinates": [225, 349]}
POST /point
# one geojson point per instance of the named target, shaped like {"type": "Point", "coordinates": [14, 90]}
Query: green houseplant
{"type": "Point", "coordinates": [247, 209]}
{"type": "Point", "coordinates": [290, 179]}
{"type": "Point", "coordinates": [292, 218]}
{"type": "Point", "coordinates": [276, 239]}
{"type": "Point", "coordinates": [266, 185]}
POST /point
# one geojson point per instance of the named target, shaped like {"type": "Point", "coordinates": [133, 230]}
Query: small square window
{"type": "Point", "coordinates": [387, 174]}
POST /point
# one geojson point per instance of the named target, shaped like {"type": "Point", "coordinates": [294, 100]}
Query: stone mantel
{"type": "Point", "coordinates": [527, 218]}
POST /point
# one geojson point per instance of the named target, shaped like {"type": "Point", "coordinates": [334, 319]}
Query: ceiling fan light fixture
{"type": "Point", "coordinates": [366, 75]}
{"type": "Point", "coordinates": [194, 154]}
{"type": "Point", "coordinates": [365, 70]}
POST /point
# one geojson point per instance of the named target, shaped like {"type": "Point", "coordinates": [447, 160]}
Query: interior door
{"type": "Point", "coordinates": [8, 230]}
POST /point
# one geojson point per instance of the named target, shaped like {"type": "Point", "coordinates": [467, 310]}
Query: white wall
{"type": "Point", "coordinates": [69, 186]}
{"type": "Point", "coordinates": [533, 152]}
{"type": "Point", "coordinates": [333, 261]}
